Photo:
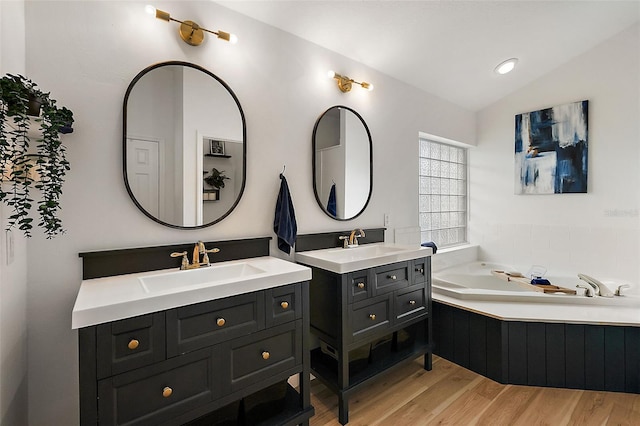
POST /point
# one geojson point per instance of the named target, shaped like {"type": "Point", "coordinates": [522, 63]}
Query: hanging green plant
{"type": "Point", "coordinates": [20, 98]}
{"type": "Point", "coordinates": [216, 178]}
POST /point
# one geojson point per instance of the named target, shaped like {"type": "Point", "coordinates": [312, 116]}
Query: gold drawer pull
{"type": "Point", "coordinates": [167, 391]}
{"type": "Point", "coordinates": [221, 322]}
{"type": "Point", "coordinates": [284, 304]}
{"type": "Point", "coordinates": [373, 317]}
{"type": "Point", "coordinates": [412, 302]}
{"type": "Point", "coordinates": [393, 277]}
{"type": "Point", "coordinates": [133, 344]}
{"type": "Point", "coordinates": [265, 355]}
{"type": "Point", "coordinates": [421, 270]}
{"type": "Point", "coordinates": [360, 285]}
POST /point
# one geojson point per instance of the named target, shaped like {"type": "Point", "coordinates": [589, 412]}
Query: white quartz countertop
{"type": "Point", "coordinates": [343, 260]}
{"type": "Point", "coordinates": [107, 299]}
{"type": "Point", "coordinates": [628, 314]}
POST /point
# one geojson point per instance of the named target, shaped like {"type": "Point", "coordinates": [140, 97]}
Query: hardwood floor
{"type": "Point", "coordinates": [450, 394]}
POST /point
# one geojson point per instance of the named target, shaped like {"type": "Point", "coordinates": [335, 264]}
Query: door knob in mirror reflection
{"type": "Point", "coordinates": [173, 112]}
{"type": "Point", "coordinates": [342, 163]}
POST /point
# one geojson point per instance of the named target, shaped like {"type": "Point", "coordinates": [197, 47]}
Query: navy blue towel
{"type": "Point", "coordinates": [432, 245]}
{"type": "Point", "coordinates": [331, 204]}
{"type": "Point", "coordinates": [284, 223]}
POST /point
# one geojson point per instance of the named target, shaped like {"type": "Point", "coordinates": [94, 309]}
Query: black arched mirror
{"type": "Point", "coordinates": [342, 163]}
{"type": "Point", "coordinates": [185, 145]}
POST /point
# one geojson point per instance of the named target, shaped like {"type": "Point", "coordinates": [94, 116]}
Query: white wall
{"type": "Point", "coordinates": [85, 54]}
{"type": "Point", "coordinates": [13, 272]}
{"type": "Point", "coordinates": [595, 233]}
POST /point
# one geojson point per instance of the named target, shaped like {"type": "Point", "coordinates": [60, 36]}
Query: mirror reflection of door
{"type": "Point", "coordinates": [144, 174]}
{"type": "Point", "coordinates": [342, 163]}
{"type": "Point", "coordinates": [177, 104]}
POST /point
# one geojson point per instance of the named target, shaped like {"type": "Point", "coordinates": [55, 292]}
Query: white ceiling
{"type": "Point", "coordinates": [450, 47]}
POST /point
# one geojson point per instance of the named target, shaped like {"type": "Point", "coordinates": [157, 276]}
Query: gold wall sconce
{"type": "Point", "coordinates": [344, 82]}
{"type": "Point", "coordinates": [191, 32]}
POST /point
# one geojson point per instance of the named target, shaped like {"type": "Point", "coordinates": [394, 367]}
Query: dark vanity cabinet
{"type": "Point", "coordinates": [369, 321]}
{"type": "Point", "coordinates": [219, 362]}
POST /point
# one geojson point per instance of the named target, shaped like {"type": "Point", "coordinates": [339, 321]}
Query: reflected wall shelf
{"type": "Point", "coordinates": [211, 195]}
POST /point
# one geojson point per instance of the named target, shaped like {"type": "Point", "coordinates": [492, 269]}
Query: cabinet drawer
{"type": "Point", "coordinates": [391, 277]}
{"type": "Point", "coordinates": [411, 302]}
{"type": "Point", "coordinates": [284, 304]}
{"type": "Point", "coordinates": [261, 356]}
{"type": "Point", "coordinates": [359, 288]}
{"type": "Point", "coordinates": [198, 326]}
{"type": "Point", "coordinates": [420, 270]}
{"type": "Point", "coordinates": [130, 343]}
{"type": "Point", "coordinates": [157, 393]}
{"type": "Point", "coordinates": [370, 317]}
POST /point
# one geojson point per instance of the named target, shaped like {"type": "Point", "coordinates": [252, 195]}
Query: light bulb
{"type": "Point", "coordinates": [233, 39]}
{"type": "Point", "coordinates": [506, 66]}
{"type": "Point", "coordinates": [150, 10]}
{"type": "Point", "coordinates": [367, 86]}
{"type": "Point", "coordinates": [331, 74]}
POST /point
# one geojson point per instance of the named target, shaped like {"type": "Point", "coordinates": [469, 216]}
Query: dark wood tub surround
{"type": "Point", "coordinates": [575, 356]}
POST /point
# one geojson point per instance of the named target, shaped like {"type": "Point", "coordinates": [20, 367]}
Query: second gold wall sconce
{"type": "Point", "coordinates": [190, 32]}
{"type": "Point", "coordinates": [344, 82]}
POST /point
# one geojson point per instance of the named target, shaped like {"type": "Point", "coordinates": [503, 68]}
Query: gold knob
{"type": "Point", "coordinates": [421, 270]}
{"type": "Point", "coordinates": [220, 322]}
{"type": "Point", "coordinates": [284, 304]}
{"type": "Point", "coordinates": [167, 391]}
{"type": "Point", "coordinates": [393, 277]}
{"type": "Point", "coordinates": [265, 355]}
{"type": "Point", "coordinates": [373, 317]}
{"type": "Point", "coordinates": [412, 302]}
{"type": "Point", "coordinates": [360, 285]}
{"type": "Point", "coordinates": [133, 344]}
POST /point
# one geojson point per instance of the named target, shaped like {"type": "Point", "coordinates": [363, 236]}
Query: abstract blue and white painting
{"type": "Point", "coordinates": [551, 150]}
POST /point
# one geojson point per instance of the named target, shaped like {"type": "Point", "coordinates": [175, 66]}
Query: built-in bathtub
{"type": "Point", "coordinates": [474, 281]}
{"type": "Point", "coordinates": [517, 336]}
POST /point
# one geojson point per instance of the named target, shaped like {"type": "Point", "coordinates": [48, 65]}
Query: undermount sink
{"type": "Point", "coordinates": [343, 260]}
{"type": "Point", "coordinates": [209, 275]}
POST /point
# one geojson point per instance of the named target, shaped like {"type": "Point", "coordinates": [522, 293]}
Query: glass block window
{"type": "Point", "coordinates": [443, 193]}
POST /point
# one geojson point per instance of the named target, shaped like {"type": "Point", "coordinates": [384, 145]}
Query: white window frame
{"type": "Point", "coordinates": [443, 191]}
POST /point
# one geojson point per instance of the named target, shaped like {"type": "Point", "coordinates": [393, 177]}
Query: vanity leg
{"type": "Point", "coordinates": [343, 409]}
{"type": "Point", "coordinates": [428, 365]}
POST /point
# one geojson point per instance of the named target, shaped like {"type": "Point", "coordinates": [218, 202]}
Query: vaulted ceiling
{"type": "Point", "coordinates": [449, 47]}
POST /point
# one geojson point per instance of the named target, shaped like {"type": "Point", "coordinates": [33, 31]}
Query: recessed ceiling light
{"type": "Point", "coordinates": [506, 66]}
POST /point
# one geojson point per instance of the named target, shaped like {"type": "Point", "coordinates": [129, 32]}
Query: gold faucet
{"type": "Point", "coordinates": [353, 238]}
{"type": "Point", "coordinates": [198, 249]}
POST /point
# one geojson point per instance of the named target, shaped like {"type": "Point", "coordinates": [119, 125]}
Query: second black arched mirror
{"type": "Point", "coordinates": [342, 163]}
